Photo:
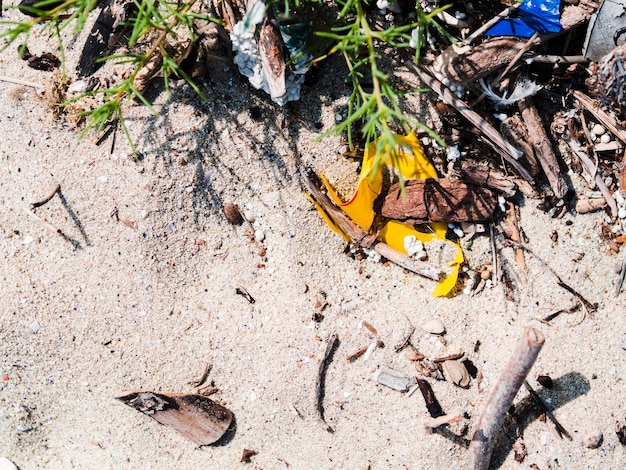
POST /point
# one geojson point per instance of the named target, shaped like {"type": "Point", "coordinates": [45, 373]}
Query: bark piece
{"type": "Point", "coordinates": [543, 148]}
{"type": "Point", "coordinates": [196, 417]}
{"type": "Point", "coordinates": [482, 175]}
{"type": "Point", "coordinates": [437, 200]}
{"type": "Point", "coordinates": [514, 129]}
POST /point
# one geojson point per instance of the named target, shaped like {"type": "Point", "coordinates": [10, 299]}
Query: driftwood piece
{"type": "Point", "coordinates": [196, 417]}
{"type": "Point", "coordinates": [510, 381]}
{"type": "Point", "coordinates": [513, 128]}
{"type": "Point", "coordinates": [494, 138]}
{"type": "Point", "coordinates": [361, 237]}
{"type": "Point", "coordinates": [543, 148]}
{"type": "Point", "coordinates": [482, 175]}
{"type": "Point", "coordinates": [437, 200]}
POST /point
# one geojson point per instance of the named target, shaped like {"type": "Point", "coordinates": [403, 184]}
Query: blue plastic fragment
{"type": "Point", "coordinates": [536, 16]}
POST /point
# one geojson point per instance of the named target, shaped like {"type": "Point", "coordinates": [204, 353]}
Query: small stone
{"type": "Point", "coordinates": [6, 464]}
{"type": "Point", "coordinates": [485, 274]}
{"type": "Point", "coordinates": [621, 213]}
{"type": "Point", "coordinates": [102, 179]}
{"type": "Point", "coordinates": [28, 240]}
{"type": "Point", "coordinates": [456, 372]}
{"type": "Point", "coordinates": [605, 138]}
{"type": "Point", "coordinates": [259, 235]}
{"type": "Point", "coordinates": [249, 215]}
{"type": "Point", "coordinates": [593, 439]}
{"type": "Point", "coordinates": [34, 326]}
{"type": "Point", "coordinates": [232, 213]}
{"type": "Point", "coordinates": [598, 130]}
{"type": "Point", "coordinates": [434, 327]}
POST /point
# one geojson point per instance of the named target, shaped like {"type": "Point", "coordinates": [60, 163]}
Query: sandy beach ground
{"type": "Point", "coordinates": [141, 294]}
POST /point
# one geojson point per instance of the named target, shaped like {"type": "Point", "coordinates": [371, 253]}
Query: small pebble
{"type": "Point", "coordinates": [23, 428]}
{"type": "Point", "coordinates": [593, 439]}
{"type": "Point", "coordinates": [6, 464]}
{"type": "Point", "coordinates": [34, 326]}
{"type": "Point", "coordinates": [28, 240]}
{"type": "Point", "coordinates": [102, 179]}
{"type": "Point", "coordinates": [434, 327]}
{"type": "Point", "coordinates": [598, 130]}
{"type": "Point", "coordinates": [259, 235]}
{"type": "Point", "coordinates": [605, 138]}
{"type": "Point", "coordinates": [232, 213]}
{"type": "Point", "coordinates": [621, 213]}
{"type": "Point", "coordinates": [249, 215]}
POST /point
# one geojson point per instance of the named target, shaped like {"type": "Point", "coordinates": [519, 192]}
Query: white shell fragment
{"type": "Point", "coordinates": [434, 327]}
{"type": "Point", "coordinates": [393, 379]}
{"type": "Point", "coordinates": [369, 351]}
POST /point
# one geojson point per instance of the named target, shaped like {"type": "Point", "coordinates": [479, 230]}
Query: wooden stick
{"type": "Point", "coordinates": [37, 204]}
{"type": "Point", "coordinates": [361, 237]}
{"type": "Point", "coordinates": [480, 31]}
{"type": "Point", "coordinates": [508, 385]}
{"type": "Point", "coordinates": [319, 384]}
{"type": "Point", "coordinates": [44, 222]}
{"type": "Point", "coordinates": [494, 138]}
{"type": "Point", "coordinates": [601, 115]}
{"type": "Point", "coordinates": [543, 148]}
{"type": "Point", "coordinates": [17, 81]}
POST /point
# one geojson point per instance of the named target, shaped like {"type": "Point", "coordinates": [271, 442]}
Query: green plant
{"type": "Point", "coordinates": [151, 30]}
{"type": "Point", "coordinates": [155, 24]}
{"type": "Point", "coordinates": [378, 109]}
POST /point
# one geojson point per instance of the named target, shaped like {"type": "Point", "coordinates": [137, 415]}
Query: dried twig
{"type": "Point", "coordinates": [539, 402]}
{"type": "Point", "coordinates": [432, 405]}
{"type": "Point", "coordinates": [37, 204]}
{"type": "Point", "coordinates": [319, 384]}
{"type": "Point", "coordinates": [622, 275]}
{"type": "Point", "coordinates": [510, 381]}
{"type": "Point", "coordinates": [205, 375]}
{"type": "Point", "coordinates": [480, 31]}
{"type": "Point", "coordinates": [17, 81]}
{"type": "Point", "coordinates": [44, 222]}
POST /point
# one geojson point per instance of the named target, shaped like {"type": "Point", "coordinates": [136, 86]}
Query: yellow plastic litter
{"type": "Point", "coordinates": [360, 207]}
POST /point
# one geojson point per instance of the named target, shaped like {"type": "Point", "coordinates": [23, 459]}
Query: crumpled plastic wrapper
{"type": "Point", "coordinates": [411, 164]}
{"type": "Point", "coordinates": [248, 61]}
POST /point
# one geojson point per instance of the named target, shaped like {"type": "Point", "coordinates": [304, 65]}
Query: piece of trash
{"type": "Point", "coordinates": [535, 17]}
{"type": "Point", "coordinates": [409, 159]}
{"type": "Point", "coordinates": [393, 379]}
{"type": "Point", "coordinates": [606, 30]}
{"type": "Point", "coordinates": [196, 417]}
